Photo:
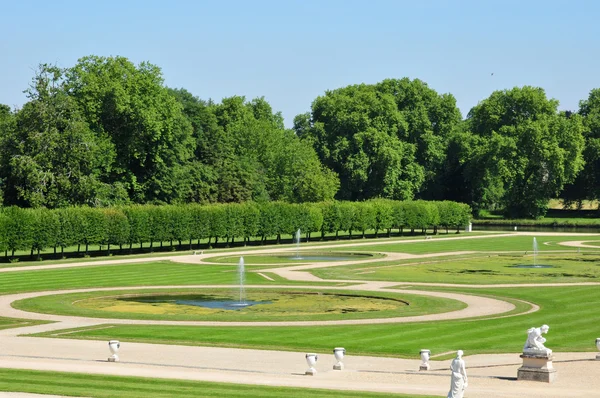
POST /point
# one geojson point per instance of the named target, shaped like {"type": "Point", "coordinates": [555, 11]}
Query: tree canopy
{"type": "Point", "coordinates": [108, 132]}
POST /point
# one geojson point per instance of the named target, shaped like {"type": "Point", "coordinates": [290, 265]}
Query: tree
{"type": "Point", "coordinates": [7, 128]}
{"type": "Point", "coordinates": [18, 228]}
{"type": "Point", "coordinates": [260, 160]}
{"type": "Point", "coordinates": [587, 184]}
{"type": "Point", "coordinates": [430, 120]}
{"type": "Point", "coordinates": [528, 150]}
{"type": "Point", "coordinates": [52, 158]}
{"type": "Point", "coordinates": [117, 228]}
{"type": "Point", "coordinates": [130, 105]}
{"type": "Point", "coordinates": [45, 230]}
{"type": "Point", "coordinates": [139, 220]}
{"type": "Point", "coordinates": [359, 133]}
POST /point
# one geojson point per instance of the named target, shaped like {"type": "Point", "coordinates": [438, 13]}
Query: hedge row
{"type": "Point", "coordinates": [41, 229]}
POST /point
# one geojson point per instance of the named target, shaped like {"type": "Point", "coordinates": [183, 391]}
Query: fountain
{"type": "Point", "coordinates": [535, 251]}
{"type": "Point", "coordinates": [241, 279]}
{"type": "Point", "coordinates": [535, 254]}
{"type": "Point", "coordinates": [322, 256]}
{"type": "Point", "coordinates": [297, 239]}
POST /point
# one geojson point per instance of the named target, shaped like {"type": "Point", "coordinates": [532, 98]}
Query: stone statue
{"type": "Point", "coordinates": [458, 382]}
{"type": "Point", "coordinates": [535, 341]}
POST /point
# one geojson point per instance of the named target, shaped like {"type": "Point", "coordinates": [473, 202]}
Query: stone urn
{"type": "Point", "coordinates": [425, 355]}
{"type": "Point", "coordinates": [598, 347]}
{"type": "Point", "coordinates": [113, 346]}
{"type": "Point", "coordinates": [311, 360]}
{"type": "Point", "coordinates": [339, 353]}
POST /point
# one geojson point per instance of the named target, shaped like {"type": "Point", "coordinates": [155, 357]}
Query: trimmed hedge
{"type": "Point", "coordinates": [40, 229]}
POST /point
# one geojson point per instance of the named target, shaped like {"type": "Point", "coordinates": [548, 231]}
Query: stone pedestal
{"type": "Point", "coordinates": [598, 357]}
{"type": "Point", "coordinates": [425, 355]}
{"type": "Point", "coordinates": [537, 367]}
{"type": "Point", "coordinates": [311, 372]}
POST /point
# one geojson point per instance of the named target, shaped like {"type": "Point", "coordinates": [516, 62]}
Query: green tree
{"type": "Point", "coordinates": [45, 230]}
{"type": "Point", "coordinates": [528, 151]}
{"type": "Point", "coordinates": [430, 119]}
{"type": "Point", "coordinates": [19, 229]}
{"type": "Point", "coordinates": [52, 158]}
{"type": "Point", "coordinates": [130, 105]}
{"type": "Point", "coordinates": [587, 184]}
{"type": "Point", "coordinates": [117, 228]}
{"type": "Point", "coordinates": [359, 133]}
{"type": "Point", "coordinates": [139, 220]}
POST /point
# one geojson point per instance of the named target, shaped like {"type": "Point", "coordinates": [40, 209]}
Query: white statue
{"type": "Point", "coordinates": [458, 382]}
{"type": "Point", "coordinates": [535, 341]}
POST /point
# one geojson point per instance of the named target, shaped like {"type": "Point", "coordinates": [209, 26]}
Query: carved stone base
{"type": "Point", "coordinates": [598, 357]}
{"type": "Point", "coordinates": [537, 368]}
{"type": "Point", "coordinates": [311, 372]}
{"type": "Point", "coordinates": [338, 366]}
{"type": "Point", "coordinates": [424, 367]}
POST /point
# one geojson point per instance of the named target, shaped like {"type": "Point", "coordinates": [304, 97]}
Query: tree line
{"type": "Point", "coordinates": [106, 132]}
{"type": "Point", "coordinates": [186, 226]}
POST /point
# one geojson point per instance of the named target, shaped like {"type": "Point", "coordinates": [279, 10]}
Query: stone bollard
{"type": "Point", "coordinates": [598, 347]}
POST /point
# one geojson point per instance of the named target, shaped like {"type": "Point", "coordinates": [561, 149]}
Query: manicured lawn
{"type": "Point", "coordinates": [139, 274]}
{"type": "Point", "coordinates": [290, 258]}
{"type": "Point", "coordinates": [99, 386]}
{"type": "Point", "coordinates": [476, 269]}
{"type": "Point", "coordinates": [7, 323]}
{"type": "Point", "coordinates": [571, 313]}
{"type": "Point", "coordinates": [285, 305]}
{"type": "Point", "coordinates": [487, 243]}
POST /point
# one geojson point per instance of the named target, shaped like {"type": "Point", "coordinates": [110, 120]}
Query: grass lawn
{"type": "Point", "coordinates": [289, 258]}
{"type": "Point", "coordinates": [100, 386]}
{"type": "Point", "coordinates": [7, 323]}
{"type": "Point", "coordinates": [487, 243]}
{"type": "Point", "coordinates": [285, 305]}
{"type": "Point", "coordinates": [476, 269]}
{"type": "Point", "coordinates": [137, 274]}
{"type": "Point", "coordinates": [571, 313]}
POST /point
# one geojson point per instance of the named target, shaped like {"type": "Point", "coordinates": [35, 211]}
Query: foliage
{"type": "Point", "coordinates": [39, 229]}
{"type": "Point", "coordinates": [526, 153]}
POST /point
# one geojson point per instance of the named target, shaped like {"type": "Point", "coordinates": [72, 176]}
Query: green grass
{"type": "Point", "coordinates": [154, 273]}
{"type": "Point", "coordinates": [99, 386]}
{"type": "Point", "coordinates": [288, 258]}
{"type": "Point", "coordinates": [8, 323]}
{"type": "Point", "coordinates": [286, 305]}
{"type": "Point", "coordinates": [571, 313]}
{"type": "Point", "coordinates": [486, 243]}
{"type": "Point", "coordinates": [476, 269]}
{"type": "Point", "coordinates": [552, 222]}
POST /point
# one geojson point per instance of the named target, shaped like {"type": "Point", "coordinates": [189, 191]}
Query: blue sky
{"type": "Point", "coordinates": [292, 51]}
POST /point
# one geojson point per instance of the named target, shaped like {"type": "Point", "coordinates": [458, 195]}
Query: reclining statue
{"type": "Point", "coordinates": [535, 341]}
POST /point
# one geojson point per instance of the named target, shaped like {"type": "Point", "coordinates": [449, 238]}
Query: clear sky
{"type": "Point", "coordinates": [291, 51]}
